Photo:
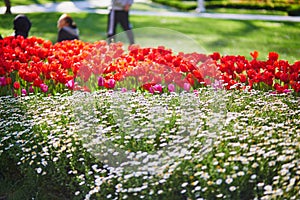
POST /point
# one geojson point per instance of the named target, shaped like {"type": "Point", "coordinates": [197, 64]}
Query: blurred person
{"type": "Point", "coordinates": [67, 28]}
{"type": "Point", "coordinates": [119, 13]}
{"type": "Point", "coordinates": [22, 25]}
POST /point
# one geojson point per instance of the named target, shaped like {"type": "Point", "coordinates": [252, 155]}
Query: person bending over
{"type": "Point", "coordinates": [22, 25]}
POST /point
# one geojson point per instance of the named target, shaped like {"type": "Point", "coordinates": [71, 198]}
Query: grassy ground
{"type": "Point", "coordinates": [245, 11]}
{"type": "Point", "coordinates": [28, 2]}
{"type": "Point", "coordinates": [224, 36]}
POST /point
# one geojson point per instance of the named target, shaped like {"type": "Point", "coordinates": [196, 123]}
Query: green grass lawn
{"type": "Point", "coordinates": [224, 36]}
{"type": "Point", "coordinates": [28, 2]}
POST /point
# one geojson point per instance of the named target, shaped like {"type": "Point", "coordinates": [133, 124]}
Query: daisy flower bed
{"type": "Point", "coordinates": [92, 121]}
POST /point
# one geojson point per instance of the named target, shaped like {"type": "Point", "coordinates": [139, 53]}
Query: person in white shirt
{"type": "Point", "coordinates": [119, 14]}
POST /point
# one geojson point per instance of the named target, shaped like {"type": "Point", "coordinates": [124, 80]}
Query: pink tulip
{"type": "Point", "coordinates": [24, 92]}
{"type": "Point", "coordinates": [31, 90]}
{"type": "Point", "coordinates": [101, 81]}
{"type": "Point", "coordinates": [287, 91]}
{"type": "Point", "coordinates": [156, 89]}
{"type": "Point", "coordinates": [171, 87]}
{"type": "Point", "coordinates": [44, 87]}
{"type": "Point", "coordinates": [70, 84]}
{"type": "Point", "coordinates": [2, 81]}
{"type": "Point", "coordinates": [186, 87]}
{"type": "Point", "coordinates": [111, 83]}
{"type": "Point", "coordinates": [151, 90]}
{"type": "Point", "coordinates": [196, 92]}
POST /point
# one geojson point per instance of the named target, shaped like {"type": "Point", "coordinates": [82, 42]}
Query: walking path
{"type": "Point", "coordinates": [141, 7]}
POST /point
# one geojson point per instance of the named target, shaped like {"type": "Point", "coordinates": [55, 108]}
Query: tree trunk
{"type": "Point", "coordinates": [8, 6]}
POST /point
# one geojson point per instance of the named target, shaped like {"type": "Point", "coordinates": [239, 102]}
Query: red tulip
{"type": "Point", "coordinates": [254, 55]}
{"type": "Point", "coordinates": [243, 78]}
{"type": "Point", "coordinates": [215, 56]}
{"type": "Point", "coordinates": [273, 56]}
{"type": "Point", "coordinates": [16, 85]}
{"type": "Point", "coordinates": [284, 77]}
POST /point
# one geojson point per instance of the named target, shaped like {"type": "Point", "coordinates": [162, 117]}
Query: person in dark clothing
{"type": "Point", "coordinates": [67, 29]}
{"type": "Point", "coordinates": [22, 25]}
{"type": "Point", "coordinates": [119, 13]}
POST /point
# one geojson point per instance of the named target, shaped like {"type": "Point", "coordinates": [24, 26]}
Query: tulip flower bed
{"type": "Point", "coordinates": [34, 65]}
{"type": "Point", "coordinates": [107, 123]}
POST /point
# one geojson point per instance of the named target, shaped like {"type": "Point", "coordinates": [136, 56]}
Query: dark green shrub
{"type": "Point", "coordinates": [277, 5]}
{"type": "Point", "coordinates": [181, 5]}
{"type": "Point", "coordinates": [246, 5]}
